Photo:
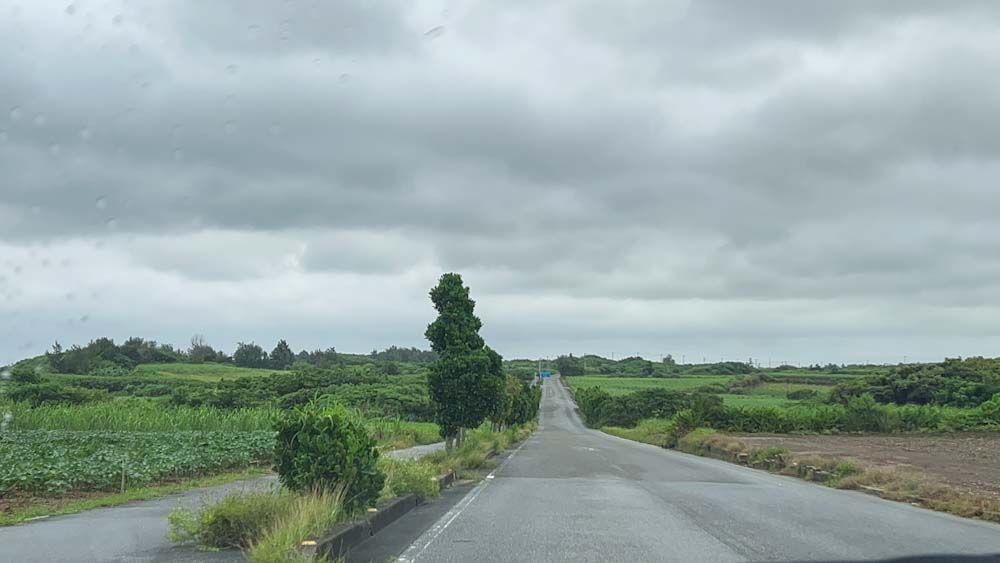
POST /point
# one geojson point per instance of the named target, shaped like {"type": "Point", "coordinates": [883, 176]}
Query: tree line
{"type": "Point", "coordinates": [103, 356]}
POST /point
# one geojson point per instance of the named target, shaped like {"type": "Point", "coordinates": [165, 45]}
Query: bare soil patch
{"type": "Point", "coordinates": [968, 462]}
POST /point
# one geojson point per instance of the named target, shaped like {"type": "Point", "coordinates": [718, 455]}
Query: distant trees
{"type": "Point", "coordinates": [282, 356]}
{"type": "Point", "coordinates": [249, 356]}
{"type": "Point", "coordinates": [104, 355]}
{"type": "Point", "coordinates": [319, 358]}
{"type": "Point", "coordinates": [200, 352]}
{"type": "Point", "coordinates": [396, 354]}
{"type": "Point", "coordinates": [569, 366]}
{"type": "Point", "coordinates": [466, 383]}
{"type": "Point", "coordinates": [953, 382]}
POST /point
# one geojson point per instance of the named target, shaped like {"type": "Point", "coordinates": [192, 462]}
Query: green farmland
{"type": "Point", "coordinates": [198, 372]}
{"type": "Point", "coordinates": [625, 385]}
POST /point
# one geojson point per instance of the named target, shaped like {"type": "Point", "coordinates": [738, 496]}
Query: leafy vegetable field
{"type": "Point", "coordinates": [53, 462]}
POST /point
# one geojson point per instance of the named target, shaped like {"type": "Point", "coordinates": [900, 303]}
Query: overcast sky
{"type": "Point", "coordinates": [797, 181]}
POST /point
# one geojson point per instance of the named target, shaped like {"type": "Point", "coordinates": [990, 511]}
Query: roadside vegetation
{"type": "Point", "coordinates": [950, 396]}
{"type": "Point", "coordinates": [887, 482]}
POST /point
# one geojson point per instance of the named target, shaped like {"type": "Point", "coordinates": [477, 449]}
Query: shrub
{"type": "Point", "coordinates": [322, 446]}
{"type": "Point", "coordinates": [405, 476]}
{"type": "Point", "coordinates": [990, 410]}
{"type": "Point", "coordinates": [236, 520]}
{"type": "Point", "coordinates": [866, 415]}
{"type": "Point", "coordinates": [53, 394]}
{"type": "Point", "coordinates": [692, 441]}
{"type": "Point", "coordinates": [686, 421]}
{"type": "Point", "coordinates": [802, 394]}
{"type": "Point", "coordinates": [25, 374]}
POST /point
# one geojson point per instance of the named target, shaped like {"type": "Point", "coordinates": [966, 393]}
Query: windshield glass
{"type": "Point", "coordinates": [498, 281]}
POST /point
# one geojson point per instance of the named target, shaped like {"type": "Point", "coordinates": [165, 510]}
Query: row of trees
{"type": "Point", "coordinates": [103, 357]}
{"type": "Point", "coordinates": [467, 384]}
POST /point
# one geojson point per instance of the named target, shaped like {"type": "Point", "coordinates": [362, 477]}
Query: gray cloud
{"type": "Point", "coordinates": [797, 177]}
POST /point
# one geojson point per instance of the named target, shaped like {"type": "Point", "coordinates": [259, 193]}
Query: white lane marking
{"type": "Point", "coordinates": [418, 547]}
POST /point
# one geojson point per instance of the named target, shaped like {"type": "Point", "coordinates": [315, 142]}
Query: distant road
{"type": "Point", "coordinates": [575, 494]}
{"type": "Point", "coordinates": [134, 532]}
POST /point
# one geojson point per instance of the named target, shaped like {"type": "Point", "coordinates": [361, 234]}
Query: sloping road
{"type": "Point", "coordinates": [575, 494]}
{"type": "Point", "coordinates": [134, 532]}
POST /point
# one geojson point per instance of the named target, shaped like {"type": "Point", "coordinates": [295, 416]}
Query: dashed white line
{"type": "Point", "coordinates": [418, 547]}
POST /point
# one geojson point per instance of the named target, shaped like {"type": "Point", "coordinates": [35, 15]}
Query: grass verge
{"type": "Point", "coordinates": [886, 482]}
{"type": "Point", "coordinates": [37, 507]}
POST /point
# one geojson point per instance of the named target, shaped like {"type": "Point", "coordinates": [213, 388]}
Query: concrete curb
{"type": "Point", "coordinates": [344, 536]}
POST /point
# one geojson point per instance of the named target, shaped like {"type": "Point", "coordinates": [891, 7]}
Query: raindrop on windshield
{"type": "Point", "coordinates": [39, 119]}
{"type": "Point", "coordinates": [71, 9]}
{"type": "Point", "coordinates": [85, 134]}
{"type": "Point", "coordinates": [15, 113]}
{"type": "Point", "coordinates": [112, 224]}
{"type": "Point", "coordinates": [101, 203]}
{"type": "Point", "coordinates": [344, 77]}
{"type": "Point", "coordinates": [435, 32]}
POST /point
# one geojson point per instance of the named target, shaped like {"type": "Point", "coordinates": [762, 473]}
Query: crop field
{"type": "Point", "coordinates": [54, 450]}
{"type": "Point", "coordinates": [756, 400]}
{"type": "Point", "coordinates": [840, 374]}
{"type": "Point", "coordinates": [774, 394]}
{"type": "Point", "coordinates": [198, 372]}
{"type": "Point", "coordinates": [53, 462]}
{"type": "Point", "coordinates": [138, 416]}
{"type": "Point", "coordinates": [625, 385]}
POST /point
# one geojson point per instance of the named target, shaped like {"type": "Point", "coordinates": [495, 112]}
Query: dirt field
{"type": "Point", "coordinates": [966, 461]}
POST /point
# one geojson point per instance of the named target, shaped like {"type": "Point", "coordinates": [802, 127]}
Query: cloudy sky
{"type": "Point", "coordinates": [795, 181]}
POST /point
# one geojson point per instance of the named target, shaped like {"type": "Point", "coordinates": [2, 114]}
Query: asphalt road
{"type": "Point", "coordinates": [574, 494]}
{"type": "Point", "coordinates": [134, 532]}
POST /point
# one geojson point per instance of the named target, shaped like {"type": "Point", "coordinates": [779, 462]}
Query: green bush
{"type": "Point", "coordinates": [802, 394]}
{"type": "Point", "coordinates": [405, 476]}
{"type": "Point", "coordinates": [236, 520]}
{"type": "Point", "coordinates": [990, 410]}
{"type": "Point", "coordinates": [53, 394]}
{"type": "Point", "coordinates": [326, 445]}
{"type": "Point", "coordinates": [866, 415]}
{"type": "Point", "coordinates": [691, 441]}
